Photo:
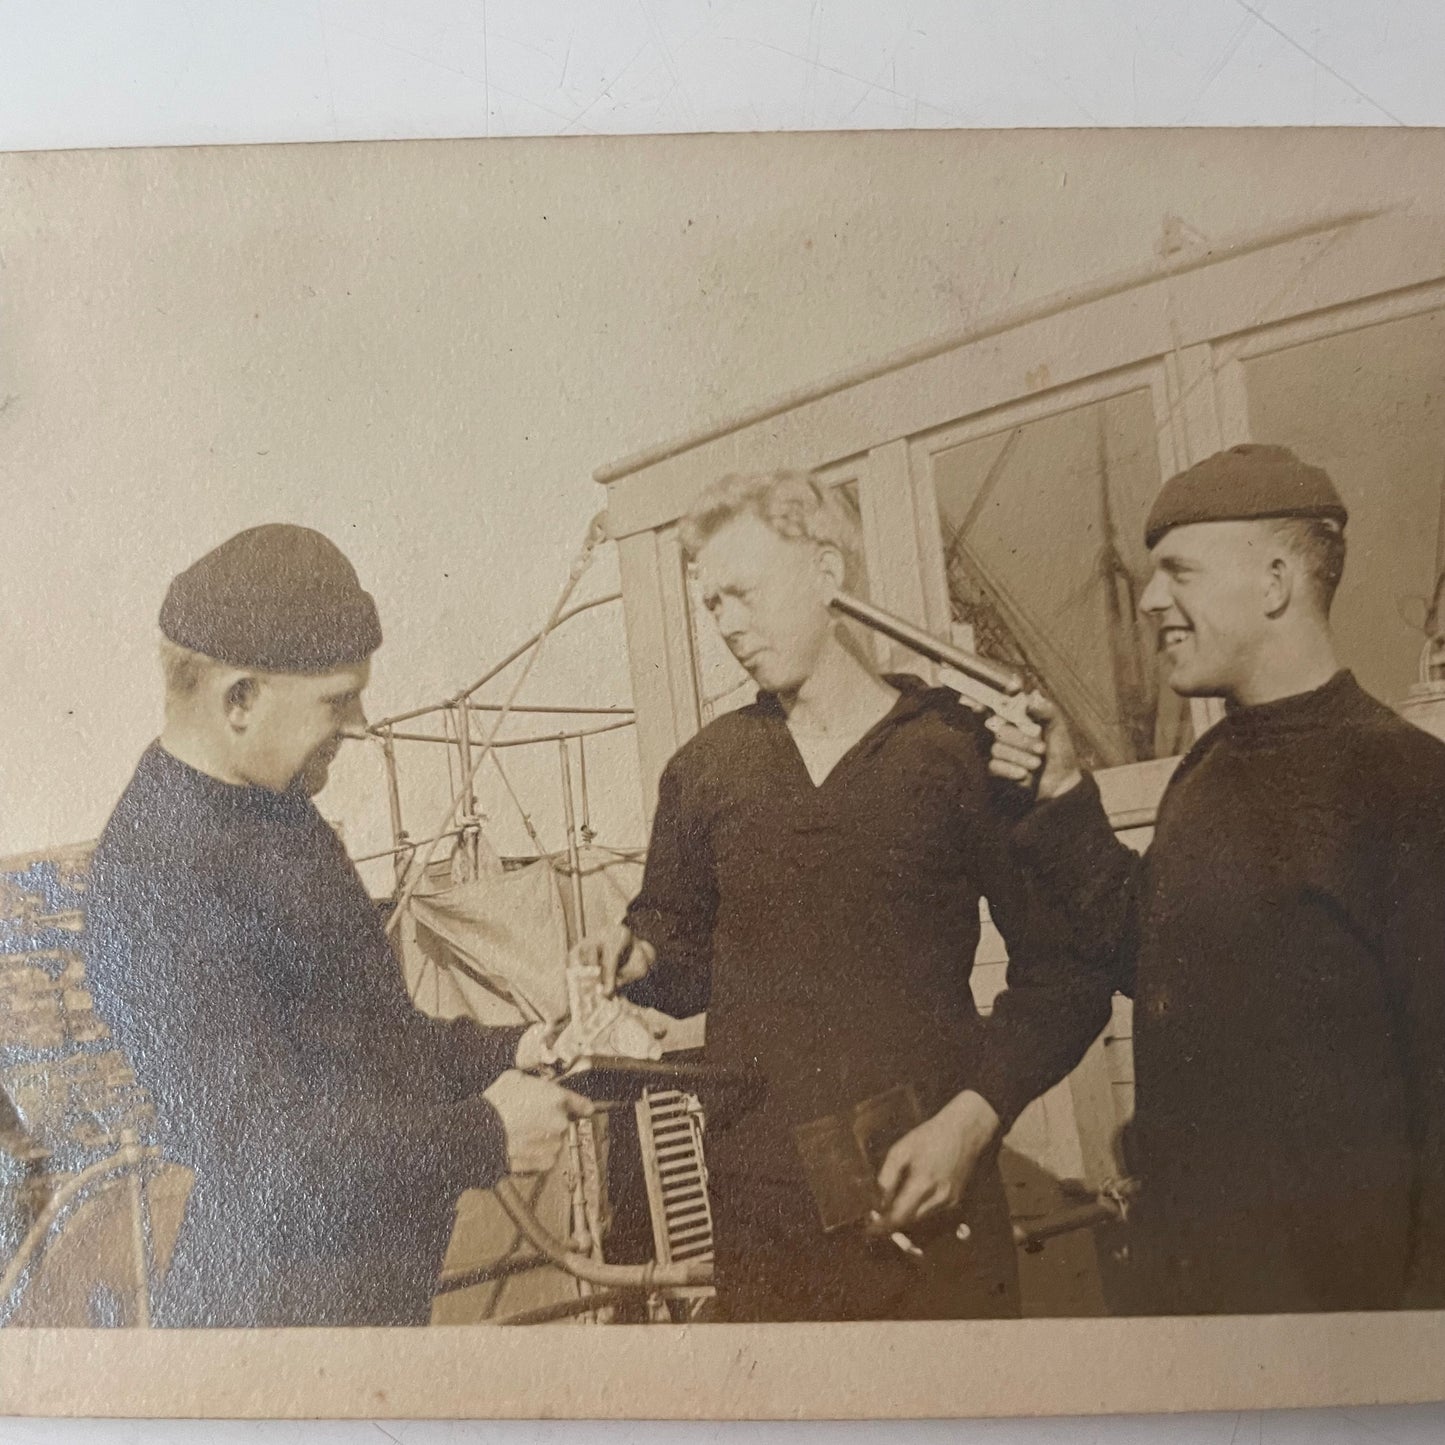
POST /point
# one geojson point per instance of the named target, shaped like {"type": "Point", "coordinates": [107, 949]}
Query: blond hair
{"type": "Point", "coordinates": [796, 505]}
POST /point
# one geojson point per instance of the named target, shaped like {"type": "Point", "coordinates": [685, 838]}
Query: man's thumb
{"type": "Point", "coordinates": [1041, 708]}
{"type": "Point", "coordinates": [890, 1176]}
{"type": "Point", "coordinates": [577, 1106]}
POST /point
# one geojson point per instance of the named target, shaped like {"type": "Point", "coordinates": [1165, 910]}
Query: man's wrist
{"type": "Point", "coordinates": [970, 1111]}
{"type": "Point", "coordinates": [1057, 789]}
{"type": "Point", "coordinates": [534, 1048]}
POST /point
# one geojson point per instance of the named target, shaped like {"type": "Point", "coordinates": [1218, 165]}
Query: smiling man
{"type": "Point", "coordinates": [813, 881]}
{"type": "Point", "coordinates": [1283, 938]}
{"type": "Point", "coordinates": [239, 960]}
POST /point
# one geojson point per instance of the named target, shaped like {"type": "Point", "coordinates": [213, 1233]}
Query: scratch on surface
{"type": "Point", "coordinates": [668, 60]}
{"type": "Point", "coordinates": [606, 91]}
{"type": "Point", "coordinates": [486, 71]}
{"type": "Point", "coordinates": [466, 75]}
{"type": "Point", "coordinates": [815, 38]}
{"type": "Point", "coordinates": [868, 89]}
{"type": "Point", "coordinates": [1315, 87]}
{"type": "Point", "coordinates": [1226, 55]}
{"type": "Point", "coordinates": [1315, 60]}
{"type": "Point", "coordinates": [1368, 1427]}
{"type": "Point", "coordinates": [846, 74]}
{"type": "Point", "coordinates": [520, 44]}
{"type": "Point", "coordinates": [326, 60]}
{"type": "Point", "coordinates": [1059, 84]}
{"type": "Point", "coordinates": [567, 58]}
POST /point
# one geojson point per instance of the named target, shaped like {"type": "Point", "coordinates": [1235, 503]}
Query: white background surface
{"type": "Point", "coordinates": [83, 73]}
{"type": "Point", "coordinates": [182, 72]}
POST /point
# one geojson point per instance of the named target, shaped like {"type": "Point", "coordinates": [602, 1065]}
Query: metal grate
{"type": "Point", "coordinates": [670, 1127]}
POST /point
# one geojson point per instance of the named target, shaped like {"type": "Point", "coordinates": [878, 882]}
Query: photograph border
{"type": "Point", "coordinates": [733, 1372]}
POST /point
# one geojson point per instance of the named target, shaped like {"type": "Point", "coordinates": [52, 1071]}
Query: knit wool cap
{"type": "Point", "coordinates": [1241, 484]}
{"type": "Point", "coordinates": [276, 598]}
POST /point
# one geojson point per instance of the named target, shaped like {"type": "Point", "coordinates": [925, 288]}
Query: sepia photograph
{"type": "Point", "coordinates": [645, 734]}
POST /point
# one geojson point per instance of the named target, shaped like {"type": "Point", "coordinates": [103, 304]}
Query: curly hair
{"type": "Point", "coordinates": [794, 504]}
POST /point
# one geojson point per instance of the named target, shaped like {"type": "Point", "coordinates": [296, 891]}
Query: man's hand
{"type": "Point", "coordinates": [537, 1048]}
{"type": "Point", "coordinates": [1021, 758]}
{"type": "Point", "coordinates": [551, 1046]}
{"type": "Point", "coordinates": [616, 954]}
{"type": "Point", "coordinates": [535, 1113]}
{"type": "Point", "coordinates": [928, 1169]}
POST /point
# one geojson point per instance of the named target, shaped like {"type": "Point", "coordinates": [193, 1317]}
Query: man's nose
{"type": "Point", "coordinates": [356, 716]}
{"type": "Point", "coordinates": [1155, 599]}
{"type": "Point", "coordinates": [730, 618]}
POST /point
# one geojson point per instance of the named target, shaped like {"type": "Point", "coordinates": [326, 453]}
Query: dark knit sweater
{"type": "Point", "coordinates": [1284, 942]}
{"type": "Point", "coordinates": [238, 959]}
{"type": "Point", "coordinates": [830, 930]}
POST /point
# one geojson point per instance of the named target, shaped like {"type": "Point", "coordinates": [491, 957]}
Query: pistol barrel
{"type": "Point", "coordinates": [991, 674]}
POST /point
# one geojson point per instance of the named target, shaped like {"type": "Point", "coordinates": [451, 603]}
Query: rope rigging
{"type": "Point", "coordinates": [528, 654]}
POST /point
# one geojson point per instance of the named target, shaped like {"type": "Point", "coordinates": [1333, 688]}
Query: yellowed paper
{"type": "Point", "coordinates": [450, 358]}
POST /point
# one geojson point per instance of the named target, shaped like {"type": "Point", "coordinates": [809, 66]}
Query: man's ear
{"type": "Point", "coordinates": [239, 694]}
{"type": "Point", "coordinates": [830, 564]}
{"type": "Point", "coordinates": [1280, 582]}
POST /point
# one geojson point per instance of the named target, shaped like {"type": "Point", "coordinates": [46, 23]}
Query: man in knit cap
{"type": "Point", "coordinates": [243, 966]}
{"type": "Point", "coordinates": [1283, 938]}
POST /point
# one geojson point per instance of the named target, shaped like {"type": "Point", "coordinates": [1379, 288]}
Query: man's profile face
{"type": "Point", "coordinates": [294, 726]}
{"type": "Point", "coordinates": [769, 598]}
{"type": "Point", "coordinates": [1209, 599]}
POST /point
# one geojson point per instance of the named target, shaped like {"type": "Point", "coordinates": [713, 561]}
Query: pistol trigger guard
{"type": "Point", "coordinates": [1015, 711]}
